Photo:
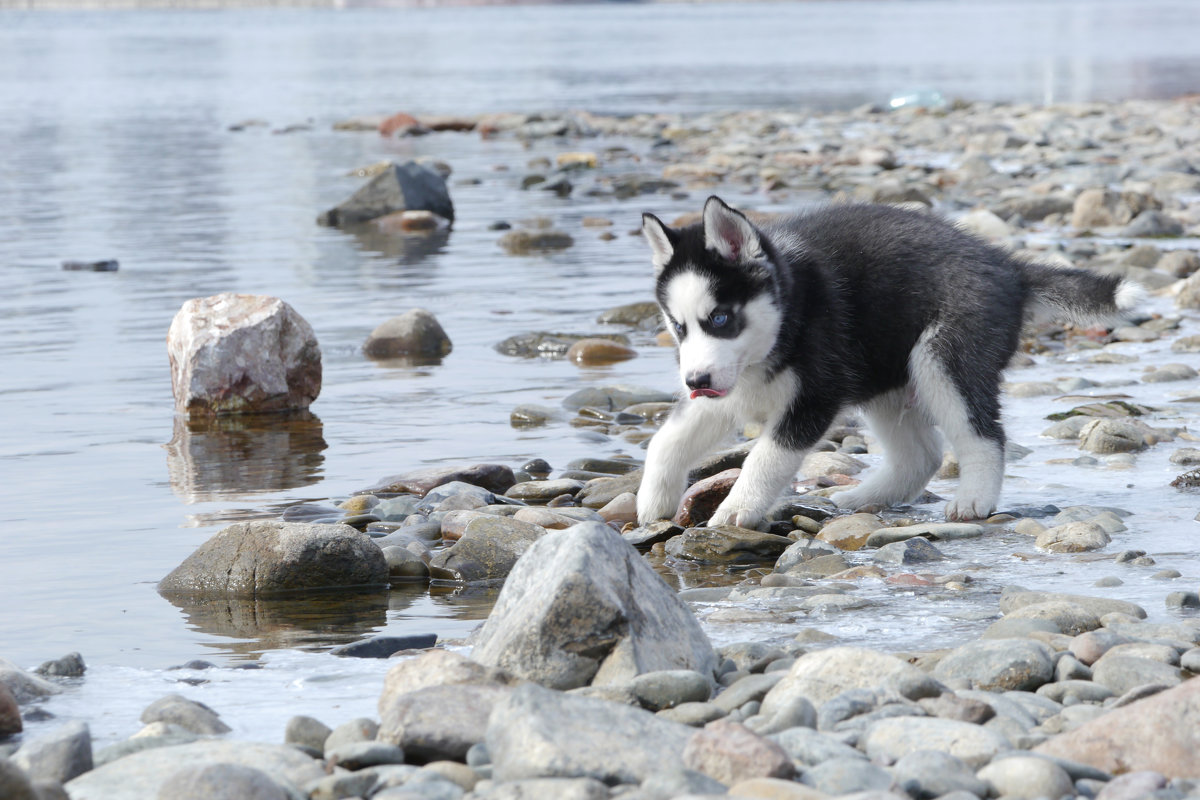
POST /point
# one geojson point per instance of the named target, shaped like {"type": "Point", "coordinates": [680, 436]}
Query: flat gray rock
{"type": "Point", "coordinates": [539, 733]}
{"type": "Point", "coordinates": [141, 775]}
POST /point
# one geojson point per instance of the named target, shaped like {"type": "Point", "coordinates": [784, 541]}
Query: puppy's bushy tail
{"type": "Point", "coordinates": [1080, 296]}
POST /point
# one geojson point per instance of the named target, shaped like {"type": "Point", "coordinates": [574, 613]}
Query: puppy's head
{"type": "Point", "coordinates": [715, 284]}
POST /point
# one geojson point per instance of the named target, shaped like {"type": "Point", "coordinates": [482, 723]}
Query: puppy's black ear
{"type": "Point", "coordinates": [730, 234]}
{"type": "Point", "coordinates": [662, 241]}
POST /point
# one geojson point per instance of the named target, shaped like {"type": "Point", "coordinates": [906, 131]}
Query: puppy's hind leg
{"type": "Point", "coordinates": [963, 399]}
{"type": "Point", "coordinates": [912, 452]}
{"type": "Point", "coordinates": [692, 430]}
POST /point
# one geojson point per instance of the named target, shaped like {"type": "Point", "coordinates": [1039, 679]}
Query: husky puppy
{"type": "Point", "coordinates": [895, 311]}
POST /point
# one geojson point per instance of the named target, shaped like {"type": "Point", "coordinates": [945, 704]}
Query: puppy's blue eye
{"type": "Point", "coordinates": [718, 319]}
{"type": "Point", "coordinates": [678, 327]}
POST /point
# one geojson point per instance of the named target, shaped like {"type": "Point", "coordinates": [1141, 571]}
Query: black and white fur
{"type": "Point", "coordinates": [895, 311]}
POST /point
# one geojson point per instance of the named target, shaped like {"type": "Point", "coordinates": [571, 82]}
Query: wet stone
{"type": "Point", "coordinates": [945, 531]}
{"type": "Point", "coordinates": [543, 491]}
{"type": "Point", "coordinates": [1074, 537]}
{"type": "Point", "coordinates": [69, 666]}
{"type": "Point", "coordinates": [909, 551]}
{"type": "Point", "coordinates": [724, 544]}
{"type": "Point", "coordinates": [702, 498]}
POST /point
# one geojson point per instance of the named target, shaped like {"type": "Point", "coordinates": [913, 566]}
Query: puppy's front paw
{"type": "Point", "coordinates": [653, 506]}
{"type": "Point", "coordinates": [851, 499]}
{"type": "Point", "coordinates": [738, 517]}
{"type": "Point", "coordinates": [965, 509]}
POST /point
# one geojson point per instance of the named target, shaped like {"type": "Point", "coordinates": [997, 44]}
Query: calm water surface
{"type": "Point", "coordinates": [115, 144]}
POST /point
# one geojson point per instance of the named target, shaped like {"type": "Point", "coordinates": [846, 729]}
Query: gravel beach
{"type": "Point", "coordinates": [593, 677]}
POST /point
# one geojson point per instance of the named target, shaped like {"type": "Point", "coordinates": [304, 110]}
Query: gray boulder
{"type": "Point", "coordinates": [582, 606]}
{"type": "Point", "coordinates": [57, 756]}
{"type": "Point", "coordinates": [538, 733]}
{"type": "Point", "coordinates": [400, 187]}
{"type": "Point", "coordinates": [142, 775]}
{"type": "Point", "coordinates": [262, 558]}
{"type": "Point", "coordinates": [24, 686]}
{"type": "Point", "coordinates": [242, 354]}
{"type": "Point", "coordinates": [413, 334]}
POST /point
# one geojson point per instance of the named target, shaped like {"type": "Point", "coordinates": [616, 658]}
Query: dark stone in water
{"type": "Point", "coordinates": [610, 466]}
{"type": "Point", "coordinates": [537, 466]}
{"type": "Point", "coordinates": [105, 265]}
{"type": "Point", "coordinates": [69, 666]}
{"type": "Point", "coordinates": [384, 646]}
{"type": "Point", "coordinates": [401, 187]}
{"type": "Point", "coordinates": [1032, 512]}
{"type": "Point", "coordinates": [652, 534]}
{"type": "Point", "coordinates": [195, 663]}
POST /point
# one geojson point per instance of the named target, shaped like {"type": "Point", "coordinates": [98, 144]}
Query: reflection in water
{"type": "Point", "coordinates": [406, 247]}
{"type": "Point", "coordinates": [228, 456]}
{"type": "Point", "coordinates": [309, 621]}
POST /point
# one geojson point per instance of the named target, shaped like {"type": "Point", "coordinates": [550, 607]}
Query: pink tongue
{"type": "Point", "coordinates": [707, 393]}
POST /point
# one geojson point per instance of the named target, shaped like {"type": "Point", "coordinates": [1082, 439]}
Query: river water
{"type": "Point", "coordinates": [117, 144]}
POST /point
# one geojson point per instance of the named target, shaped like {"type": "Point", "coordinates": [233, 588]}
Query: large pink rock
{"type": "Point", "coordinates": [1160, 733]}
{"type": "Point", "coordinates": [242, 354]}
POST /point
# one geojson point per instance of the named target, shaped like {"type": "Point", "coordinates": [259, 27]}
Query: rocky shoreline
{"type": "Point", "coordinates": [592, 679]}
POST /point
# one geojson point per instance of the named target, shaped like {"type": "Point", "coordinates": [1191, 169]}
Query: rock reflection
{"type": "Point", "coordinates": [407, 247]}
{"type": "Point", "coordinates": [309, 621]}
{"type": "Point", "coordinates": [224, 457]}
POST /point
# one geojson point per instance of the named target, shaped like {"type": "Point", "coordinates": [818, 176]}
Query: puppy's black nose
{"type": "Point", "coordinates": [699, 380]}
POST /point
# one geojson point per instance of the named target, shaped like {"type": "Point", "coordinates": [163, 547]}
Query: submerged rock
{"type": "Point", "coordinates": [262, 558]}
{"type": "Point", "coordinates": [241, 354]}
{"type": "Point", "coordinates": [401, 187]}
{"type": "Point", "coordinates": [415, 333]}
